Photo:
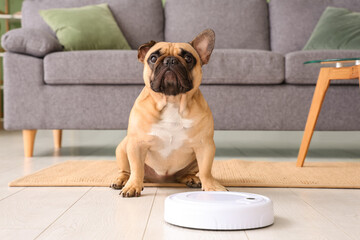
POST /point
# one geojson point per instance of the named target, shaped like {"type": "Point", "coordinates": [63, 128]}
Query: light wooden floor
{"type": "Point", "coordinates": [100, 213]}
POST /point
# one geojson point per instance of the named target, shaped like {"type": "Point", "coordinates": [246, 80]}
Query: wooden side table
{"type": "Point", "coordinates": [326, 75]}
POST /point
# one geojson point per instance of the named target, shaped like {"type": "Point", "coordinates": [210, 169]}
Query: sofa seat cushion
{"type": "Point", "coordinates": [93, 67]}
{"type": "Point", "coordinates": [226, 66]}
{"type": "Point", "coordinates": [299, 73]}
{"type": "Point", "coordinates": [241, 66]}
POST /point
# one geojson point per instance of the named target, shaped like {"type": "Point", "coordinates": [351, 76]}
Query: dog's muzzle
{"type": "Point", "coordinates": [171, 77]}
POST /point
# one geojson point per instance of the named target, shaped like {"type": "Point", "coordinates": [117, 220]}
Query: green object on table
{"type": "Point", "coordinates": [85, 28]}
{"type": "Point", "coordinates": [332, 60]}
{"type": "Point", "coordinates": [337, 28]}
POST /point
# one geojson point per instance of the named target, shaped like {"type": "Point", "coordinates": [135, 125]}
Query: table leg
{"type": "Point", "coordinates": [319, 95]}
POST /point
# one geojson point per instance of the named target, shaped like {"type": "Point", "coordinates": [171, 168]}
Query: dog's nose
{"type": "Point", "coordinates": [170, 61]}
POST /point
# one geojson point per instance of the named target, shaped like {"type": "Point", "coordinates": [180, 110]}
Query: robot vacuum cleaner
{"type": "Point", "coordinates": [219, 210]}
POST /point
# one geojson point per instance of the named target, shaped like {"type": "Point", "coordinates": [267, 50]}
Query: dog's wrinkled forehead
{"type": "Point", "coordinates": [165, 49]}
{"type": "Point", "coordinates": [200, 47]}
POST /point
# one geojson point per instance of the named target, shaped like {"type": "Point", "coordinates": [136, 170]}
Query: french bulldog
{"type": "Point", "coordinates": [171, 128]}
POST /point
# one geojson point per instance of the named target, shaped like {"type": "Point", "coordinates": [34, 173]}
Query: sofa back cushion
{"type": "Point", "coordinates": [140, 20]}
{"type": "Point", "coordinates": [237, 23]}
{"type": "Point", "coordinates": [293, 21]}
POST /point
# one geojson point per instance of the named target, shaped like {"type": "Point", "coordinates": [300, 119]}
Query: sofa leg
{"type": "Point", "coordinates": [29, 139]}
{"type": "Point", "coordinates": [57, 138]}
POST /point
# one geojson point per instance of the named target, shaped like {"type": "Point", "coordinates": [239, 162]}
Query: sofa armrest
{"type": "Point", "coordinates": [30, 41]}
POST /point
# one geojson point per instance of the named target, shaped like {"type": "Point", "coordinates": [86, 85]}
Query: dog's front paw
{"type": "Point", "coordinates": [132, 189]}
{"type": "Point", "coordinates": [190, 180]}
{"type": "Point", "coordinates": [120, 181]}
{"type": "Point", "coordinates": [211, 184]}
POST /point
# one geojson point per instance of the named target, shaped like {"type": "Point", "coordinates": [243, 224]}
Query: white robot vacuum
{"type": "Point", "coordinates": [219, 210]}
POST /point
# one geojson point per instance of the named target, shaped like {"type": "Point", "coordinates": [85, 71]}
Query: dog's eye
{"type": "Point", "coordinates": [188, 58]}
{"type": "Point", "coordinates": [153, 59]}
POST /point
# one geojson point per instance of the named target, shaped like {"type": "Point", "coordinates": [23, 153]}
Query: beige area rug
{"type": "Point", "coordinates": [231, 173]}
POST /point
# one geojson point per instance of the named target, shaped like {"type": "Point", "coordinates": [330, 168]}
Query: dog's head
{"type": "Point", "coordinates": [175, 68]}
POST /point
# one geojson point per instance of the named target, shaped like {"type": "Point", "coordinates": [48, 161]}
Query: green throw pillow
{"type": "Point", "coordinates": [338, 28]}
{"type": "Point", "coordinates": [85, 28]}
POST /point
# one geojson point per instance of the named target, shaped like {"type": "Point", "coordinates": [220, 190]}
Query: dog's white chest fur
{"type": "Point", "coordinates": [171, 129]}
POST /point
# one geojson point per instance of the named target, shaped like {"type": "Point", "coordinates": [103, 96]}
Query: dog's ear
{"type": "Point", "coordinates": [143, 49]}
{"type": "Point", "coordinates": [204, 44]}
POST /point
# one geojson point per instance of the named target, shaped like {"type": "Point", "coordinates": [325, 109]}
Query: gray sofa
{"type": "Point", "coordinates": [255, 80]}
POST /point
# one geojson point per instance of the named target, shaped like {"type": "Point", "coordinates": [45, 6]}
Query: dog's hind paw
{"type": "Point", "coordinates": [191, 181]}
{"type": "Point", "coordinates": [120, 181]}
